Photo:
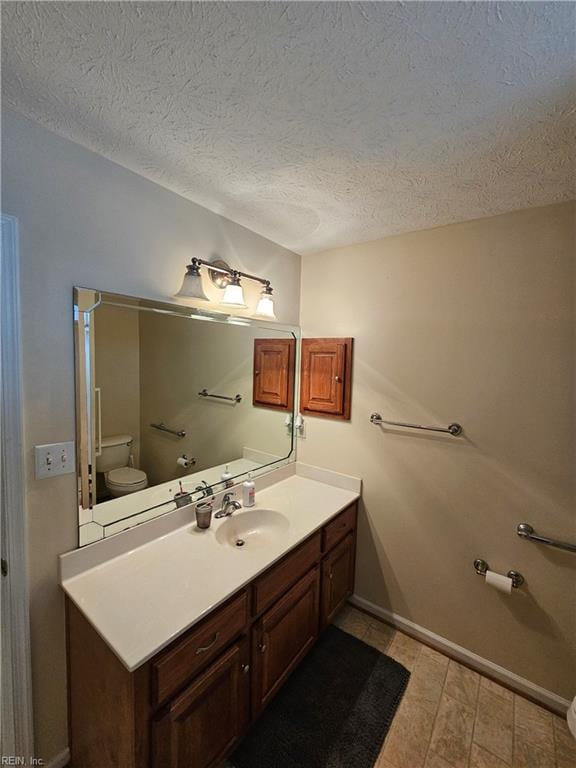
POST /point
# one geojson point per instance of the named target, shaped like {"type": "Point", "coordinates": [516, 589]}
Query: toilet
{"type": "Point", "coordinates": [113, 462]}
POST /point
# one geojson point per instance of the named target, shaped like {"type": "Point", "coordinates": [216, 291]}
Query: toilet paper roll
{"type": "Point", "coordinates": [182, 462]}
{"type": "Point", "coordinates": [499, 582]}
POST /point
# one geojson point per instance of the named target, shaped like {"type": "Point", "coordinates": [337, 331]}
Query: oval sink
{"type": "Point", "coordinates": [254, 527]}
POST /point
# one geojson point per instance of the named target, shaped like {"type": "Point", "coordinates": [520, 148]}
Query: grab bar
{"type": "Point", "coordinates": [98, 400]}
{"type": "Point", "coordinates": [527, 532]}
{"type": "Point", "coordinates": [235, 399]}
{"type": "Point", "coordinates": [163, 428]}
{"type": "Point", "coordinates": [451, 429]}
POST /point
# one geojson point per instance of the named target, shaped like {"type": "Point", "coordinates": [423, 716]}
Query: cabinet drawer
{"type": "Point", "coordinates": [279, 578]}
{"type": "Point", "coordinates": [204, 642]}
{"type": "Point", "coordinates": [339, 527]}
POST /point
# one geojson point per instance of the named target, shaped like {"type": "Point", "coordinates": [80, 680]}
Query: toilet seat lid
{"type": "Point", "coordinates": [126, 476]}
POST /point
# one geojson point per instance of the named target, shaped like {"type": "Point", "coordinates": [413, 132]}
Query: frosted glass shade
{"type": "Point", "coordinates": [192, 287]}
{"type": "Point", "coordinates": [233, 296]}
{"type": "Point", "coordinates": [265, 308]}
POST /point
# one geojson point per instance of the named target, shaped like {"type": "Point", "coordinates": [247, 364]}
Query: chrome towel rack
{"type": "Point", "coordinates": [452, 429]}
{"type": "Point", "coordinates": [163, 428]}
{"type": "Point", "coordinates": [235, 399]}
{"type": "Point", "coordinates": [527, 532]}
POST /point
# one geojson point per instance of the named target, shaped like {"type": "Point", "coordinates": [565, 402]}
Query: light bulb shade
{"type": "Point", "coordinates": [265, 307]}
{"type": "Point", "coordinates": [234, 296]}
{"type": "Point", "coordinates": [192, 285]}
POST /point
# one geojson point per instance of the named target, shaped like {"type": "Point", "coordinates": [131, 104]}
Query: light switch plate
{"type": "Point", "coordinates": [54, 459]}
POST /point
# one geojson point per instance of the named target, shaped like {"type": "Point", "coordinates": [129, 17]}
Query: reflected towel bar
{"type": "Point", "coordinates": [527, 532]}
{"type": "Point", "coordinates": [451, 429]}
{"type": "Point", "coordinates": [163, 428]}
{"type": "Point", "coordinates": [235, 399]}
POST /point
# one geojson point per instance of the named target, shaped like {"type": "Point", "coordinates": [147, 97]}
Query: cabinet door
{"type": "Point", "coordinates": [326, 377]}
{"type": "Point", "coordinates": [283, 636]}
{"type": "Point", "coordinates": [200, 727]}
{"type": "Point", "coordinates": [274, 373]}
{"type": "Point", "coordinates": [337, 578]}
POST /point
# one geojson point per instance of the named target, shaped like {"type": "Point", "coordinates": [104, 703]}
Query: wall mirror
{"type": "Point", "coordinates": [171, 398]}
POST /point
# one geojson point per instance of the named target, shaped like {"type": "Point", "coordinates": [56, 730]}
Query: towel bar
{"type": "Point", "coordinates": [163, 428]}
{"type": "Point", "coordinates": [235, 399]}
{"type": "Point", "coordinates": [527, 532]}
{"type": "Point", "coordinates": [451, 429]}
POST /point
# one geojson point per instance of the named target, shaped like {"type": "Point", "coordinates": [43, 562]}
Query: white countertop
{"type": "Point", "coordinates": [143, 599]}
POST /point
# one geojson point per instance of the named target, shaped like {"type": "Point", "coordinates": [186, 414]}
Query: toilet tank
{"type": "Point", "coordinates": [115, 453]}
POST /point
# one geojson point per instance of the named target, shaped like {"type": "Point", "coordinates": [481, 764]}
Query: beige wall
{"type": "Point", "coordinates": [117, 372]}
{"type": "Point", "coordinates": [181, 357]}
{"type": "Point", "coordinates": [86, 221]}
{"type": "Point", "coordinates": [472, 323]}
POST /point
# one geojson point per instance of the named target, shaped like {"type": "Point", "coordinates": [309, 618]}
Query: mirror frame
{"type": "Point", "coordinates": [86, 301]}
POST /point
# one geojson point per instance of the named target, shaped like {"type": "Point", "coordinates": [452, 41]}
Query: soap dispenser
{"type": "Point", "coordinates": [248, 492]}
{"type": "Point", "coordinates": [226, 477]}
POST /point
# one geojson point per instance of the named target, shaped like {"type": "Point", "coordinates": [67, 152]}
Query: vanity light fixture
{"type": "Point", "coordinates": [233, 293]}
{"type": "Point", "coordinates": [228, 279]}
{"type": "Point", "coordinates": [219, 272]}
{"type": "Point", "coordinates": [192, 284]}
{"type": "Point", "coordinates": [265, 307]}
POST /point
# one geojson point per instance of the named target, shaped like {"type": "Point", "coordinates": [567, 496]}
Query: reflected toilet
{"type": "Point", "coordinates": [113, 461]}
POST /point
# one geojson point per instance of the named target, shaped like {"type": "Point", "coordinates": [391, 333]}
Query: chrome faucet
{"type": "Point", "coordinates": [205, 489]}
{"type": "Point", "coordinates": [229, 505]}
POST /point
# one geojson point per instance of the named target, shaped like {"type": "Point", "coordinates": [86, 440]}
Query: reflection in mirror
{"type": "Point", "coordinates": [168, 402]}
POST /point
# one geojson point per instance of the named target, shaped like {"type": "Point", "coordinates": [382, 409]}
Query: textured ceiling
{"type": "Point", "coordinates": [316, 124]}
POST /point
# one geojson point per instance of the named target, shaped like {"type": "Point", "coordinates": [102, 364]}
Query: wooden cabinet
{"type": "Point", "coordinates": [270, 586]}
{"type": "Point", "coordinates": [274, 373]}
{"type": "Point", "coordinates": [283, 636]}
{"type": "Point", "coordinates": [190, 704]}
{"type": "Point", "coordinates": [173, 668]}
{"type": "Point", "coordinates": [337, 579]}
{"type": "Point", "coordinates": [326, 377]}
{"type": "Point", "coordinates": [204, 722]}
{"type": "Point", "coordinates": [343, 524]}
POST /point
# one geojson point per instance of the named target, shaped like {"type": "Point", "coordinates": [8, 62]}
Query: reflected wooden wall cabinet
{"type": "Point", "coordinates": [326, 377]}
{"type": "Point", "coordinates": [274, 373]}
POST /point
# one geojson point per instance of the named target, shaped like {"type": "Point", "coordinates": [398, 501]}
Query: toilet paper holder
{"type": "Point", "coordinates": [481, 567]}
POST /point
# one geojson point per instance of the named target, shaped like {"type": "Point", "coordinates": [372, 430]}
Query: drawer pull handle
{"type": "Point", "coordinates": [330, 574]}
{"type": "Point", "coordinates": [205, 648]}
{"type": "Point", "coordinates": [337, 379]}
{"type": "Point", "coordinates": [246, 668]}
{"type": "Point", "coordinates": [262, 647]}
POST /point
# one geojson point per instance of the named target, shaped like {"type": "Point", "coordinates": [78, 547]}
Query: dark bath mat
{"type": "Point", "coordinates": [333, 712]}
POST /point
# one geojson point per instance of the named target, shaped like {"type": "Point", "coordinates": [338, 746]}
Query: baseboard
{"type": "Point", "coordinates": [60, 760]}
{"type": "Point", "coordinates": [484, 666]}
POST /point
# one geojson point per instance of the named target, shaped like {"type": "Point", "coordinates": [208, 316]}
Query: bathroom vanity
{"type": "Point", "coordinates": [176, 647]}
{"type": "Point", "coordinates": [179, 637]}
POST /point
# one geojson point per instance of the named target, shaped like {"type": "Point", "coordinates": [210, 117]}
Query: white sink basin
{"type": "Point", "coordinates": [253, 527]}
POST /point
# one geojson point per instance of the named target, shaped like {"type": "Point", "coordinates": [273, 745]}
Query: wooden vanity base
{"type": "Point", "coordinates": [189, 705]}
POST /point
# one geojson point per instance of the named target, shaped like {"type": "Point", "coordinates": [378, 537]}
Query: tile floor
{"type": "Point", "coordinates": [451, 717]}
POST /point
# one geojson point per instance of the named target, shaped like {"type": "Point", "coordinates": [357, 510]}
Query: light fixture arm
{"type": "Point", "coordinates": [235, 273]}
